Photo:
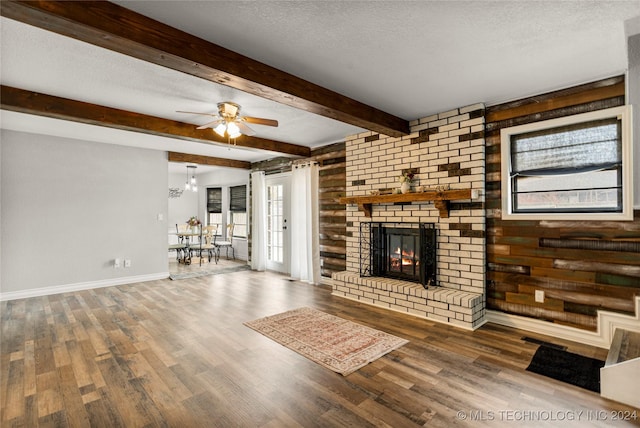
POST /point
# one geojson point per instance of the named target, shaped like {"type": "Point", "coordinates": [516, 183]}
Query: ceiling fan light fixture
{"type": "Point", "coordinates": [220, 129]}
{"type": "Point", "coordinates": [233, 130]}
{"type": "Point", "coordinates": [228, 122]}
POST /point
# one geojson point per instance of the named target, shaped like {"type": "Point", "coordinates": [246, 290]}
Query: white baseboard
{"type": "Point", "coordinates": [57, 289]}
{"type": "Point", "coordinates": [606, 324]}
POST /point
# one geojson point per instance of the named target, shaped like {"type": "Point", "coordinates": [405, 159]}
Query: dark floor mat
{"type": "Point", "coordinates": [567, 367]}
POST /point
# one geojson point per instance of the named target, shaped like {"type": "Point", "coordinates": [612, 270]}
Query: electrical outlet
{"type": "Point", "coordinates": [539, 296]}
{"type": "Point", "coordinates": [127, 263]}
{"type": "Point", "coordinates": [117, 263]}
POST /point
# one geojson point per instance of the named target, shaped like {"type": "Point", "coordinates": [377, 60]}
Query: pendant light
{"type": "Point", "coordinates": [191, 183]}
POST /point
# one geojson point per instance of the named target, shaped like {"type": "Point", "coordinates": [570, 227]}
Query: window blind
{"type": "Point", "coordinates": [238, 199]}
{"type": "Point", "coordinates": [214, 199]}
{"type": "Point", "coordinates": [583, 147]}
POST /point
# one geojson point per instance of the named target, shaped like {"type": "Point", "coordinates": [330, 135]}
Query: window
{"type": "Point", "coordinates": [275, 222]}
{"type": "Point", "coordinates": [576, 167]}
{"type": "Point", "coordinates": [214, 207]}
{"type": "Point", "coordinates": [238, 210]}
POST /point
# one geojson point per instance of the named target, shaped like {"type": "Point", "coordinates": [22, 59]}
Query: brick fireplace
{"type": "Point", "coordinates": [444, 151]}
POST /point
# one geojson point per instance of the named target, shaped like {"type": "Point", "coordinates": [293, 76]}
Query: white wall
{"type": "Point", "coordinates": [70, 207]}
{"type": "Point", "coordinates": [182, 208]}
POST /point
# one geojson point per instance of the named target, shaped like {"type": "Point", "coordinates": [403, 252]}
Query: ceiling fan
{"type": "Point", "coordinates": [229, 121]}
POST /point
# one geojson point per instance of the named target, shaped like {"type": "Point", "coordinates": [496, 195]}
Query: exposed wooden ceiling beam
{"type": "Point", "coordinates": [19, 100]}
{"type": "Point", "coordinates": [208, 160]}
{"type": "Point", "coordinates": [114, 27]}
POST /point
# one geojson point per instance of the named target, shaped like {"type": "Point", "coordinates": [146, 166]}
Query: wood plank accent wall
{"type": "Point", "coordinates": [332, 161]}
{"type": "Point", "coordinates": [581, 266]}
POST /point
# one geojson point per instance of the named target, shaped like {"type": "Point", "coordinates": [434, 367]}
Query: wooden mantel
{"type": "Point", "coordinates": [440, 199]}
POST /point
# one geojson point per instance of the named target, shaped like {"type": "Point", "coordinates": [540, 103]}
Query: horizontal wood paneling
{"type": "Point", "coordinates": [333, 216]}
{"type": "Point", "coordinates": [582, 266]}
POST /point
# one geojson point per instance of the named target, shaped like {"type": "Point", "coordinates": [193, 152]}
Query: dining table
{"type": "Point", "coordinates": [186, 237]}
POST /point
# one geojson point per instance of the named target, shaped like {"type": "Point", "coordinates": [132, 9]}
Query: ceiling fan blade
{"type": "Point", "coordinates": [245, 129]}
{"type": "Point", "coordinates": [209, 125]}
{"type": "Point", "coordinates": [260, 121]}
{"type": "Point", "coordinates": [193, 112]}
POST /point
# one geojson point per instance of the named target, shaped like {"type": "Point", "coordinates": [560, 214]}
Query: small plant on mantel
{"type": "Point", "coordinates": [407, 176]}
{"type": "Point", "coordinates": [406, 179]}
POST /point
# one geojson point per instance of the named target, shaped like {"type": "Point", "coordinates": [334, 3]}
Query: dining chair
{"type": "Point", "coordinates": [208, 237]}
{"type": "Point", "coordinates": [228, 243]}
{"type": "Point", "coordinates": [179, 247]}
{"type": "Point", "coordinates": [181, 228]}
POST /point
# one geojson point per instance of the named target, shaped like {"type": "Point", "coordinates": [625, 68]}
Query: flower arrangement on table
{"type": "Point", "coordinates": [406, 177]}
{"type": "Point", "coordinates": [193, 221]}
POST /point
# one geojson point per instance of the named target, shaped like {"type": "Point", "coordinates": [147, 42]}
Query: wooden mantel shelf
{"type": "Point", "coordinates": [440, 199]}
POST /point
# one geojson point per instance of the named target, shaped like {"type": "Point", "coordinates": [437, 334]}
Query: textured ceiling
{"type": "Point", "coordinates": [409, 59]}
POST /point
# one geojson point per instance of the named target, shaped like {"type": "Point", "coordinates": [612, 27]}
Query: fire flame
{"type": "Point", "coordinates": [406, 256]}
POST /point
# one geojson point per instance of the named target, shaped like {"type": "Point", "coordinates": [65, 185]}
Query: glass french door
{"type": "Point", "coordinates": [277, 228]}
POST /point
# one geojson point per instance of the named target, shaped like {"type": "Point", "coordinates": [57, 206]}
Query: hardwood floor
{"type": "Point", "coordinates": [175, 354]}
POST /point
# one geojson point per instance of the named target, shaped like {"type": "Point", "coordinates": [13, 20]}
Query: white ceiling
{"type": "Point", "coordinates": [409, 59]}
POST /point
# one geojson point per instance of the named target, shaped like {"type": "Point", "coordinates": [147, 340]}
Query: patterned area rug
{"type": "Point", "coordinates": [335, 343]}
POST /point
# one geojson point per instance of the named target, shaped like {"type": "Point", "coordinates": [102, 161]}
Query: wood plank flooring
{"type": "Point", "coordinates": [175, 354]}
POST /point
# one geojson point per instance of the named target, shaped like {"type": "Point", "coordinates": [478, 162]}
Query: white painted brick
{"type": "Point", "coordinates": [417, 313]}
{"type": "Point", "coordinates": [398, 308]}
{"type": "Point", "coordinates": [460, 146]}
{"type": "Point", "coordinates": [404, 303]}
{"type": "Point", "coordinates": [387, 299]}
{"type": "Point", "coordinates": [459, 118]}
{"type": "Point", "coordinates": [438, 318]}
{"type": "Point", "coordinates": [409, 159]}
{"type": "Point", "coordinates": [448, 140]}
{"type": "Point", "coordinates": [449, 113]}
{"type": "Point", "coordinates": [438, 136]}
{"type": "Point", "coordinates": [439, 305]}
{"type": "Point", "coordinates": [449, 127]}
{"type": "Point", "coordinates": [470, 163]}
{"type": "Point", "coordinates": [437, 123]}
{"type": "Point", "coordinates": [472, 122]}
{"type": "Point", "coordinates": [470, 275]}
{"type": "Point", "coordinates": [416, 299]}
{"type": "Point", "coordinates": [444, 313]}
{"type": "Point", "coordinates": [429, 118]}
{"type": "Point", "coordinates": [420, 127]}
{"type": "Point", "coordinates": [460, 158]}
{"type": "Point", "coordinates": [470, 108]}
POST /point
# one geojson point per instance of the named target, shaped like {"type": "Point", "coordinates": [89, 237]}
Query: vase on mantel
{"type": "Point", "coordinates": [405, 187]}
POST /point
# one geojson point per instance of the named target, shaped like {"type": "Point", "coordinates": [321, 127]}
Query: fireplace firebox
{"type": "Point", "coordinates": [404, 251]}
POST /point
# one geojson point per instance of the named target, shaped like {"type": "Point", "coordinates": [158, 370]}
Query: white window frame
{"type": "Point", "coordinates": [623, 113]}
